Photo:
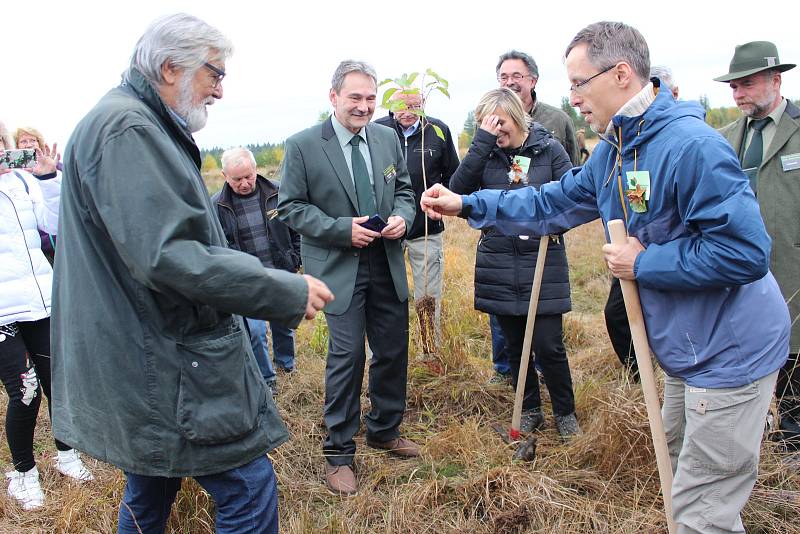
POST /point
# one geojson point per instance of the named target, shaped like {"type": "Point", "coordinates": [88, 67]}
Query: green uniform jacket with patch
{"type": "Point", "coordinates": [152, 369]}
{"type": "Point", "coordinates": [317, 199]}
{"type": "Point", "coordinates": [779, 199]}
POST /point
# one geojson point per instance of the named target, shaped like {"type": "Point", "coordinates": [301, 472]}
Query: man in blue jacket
{"type": "Point", "coordinates": [698, 250]}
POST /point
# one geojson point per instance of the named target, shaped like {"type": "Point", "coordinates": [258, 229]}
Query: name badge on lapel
{"type": "Point", "coordinates": [638, 190]}
{"type": "Point", "coordinates": [389, 173]}
{"type": "Point", "coordinates": [790, 162]}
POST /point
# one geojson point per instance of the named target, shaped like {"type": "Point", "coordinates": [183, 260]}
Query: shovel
{"type": "Point", "coordinates": [526, 451]}
{"type": "Point", "coordinates": [630, 292]}
{"type": "Point", "coordinates": [513, 433]}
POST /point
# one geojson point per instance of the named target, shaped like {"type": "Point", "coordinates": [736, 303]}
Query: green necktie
{"type": "Point", "coordinates": [755, 152]}
{"type": "Point", "coordinates": [366, 198]}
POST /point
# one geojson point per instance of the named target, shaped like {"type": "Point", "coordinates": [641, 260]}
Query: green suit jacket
{"type": "Point", "coordinates": [779, 198]}
{"type": "Point", "coordinates": [317, 199]}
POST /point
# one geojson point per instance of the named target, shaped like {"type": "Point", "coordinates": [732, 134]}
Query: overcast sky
{"type": "Point", "coordinates": [279, 76]}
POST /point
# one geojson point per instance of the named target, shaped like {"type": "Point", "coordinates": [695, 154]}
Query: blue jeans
{"type": "Point", "coordinates": [282, 346]}
{"type": "Point", "coordinates": [499, 354]}
{"type": "Point", "coordinates": [246, 499]}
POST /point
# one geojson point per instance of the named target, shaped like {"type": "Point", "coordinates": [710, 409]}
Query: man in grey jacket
{"type": "Point", "coordinates": [152, 369]}
{"type": "Point", "coordinates": [767, 140]}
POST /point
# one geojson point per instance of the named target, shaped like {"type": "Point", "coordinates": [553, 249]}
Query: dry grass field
{"type": "Point", "coordinates": [465, 481]}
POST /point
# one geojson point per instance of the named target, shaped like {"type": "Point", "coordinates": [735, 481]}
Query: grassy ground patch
{"type": "Point", "coordinates": [465, 481]}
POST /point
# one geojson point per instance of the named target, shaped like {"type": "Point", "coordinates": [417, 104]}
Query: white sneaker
{"type": "Point", "coordinates": [25, 488]}
{"type": "Point", "coordinates": [69, 464]}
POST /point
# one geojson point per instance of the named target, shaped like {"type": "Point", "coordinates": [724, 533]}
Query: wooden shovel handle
{"type": "Point", "coordinates": [630, 292]}
{"type": "Point", "coordinates": [527, 342]}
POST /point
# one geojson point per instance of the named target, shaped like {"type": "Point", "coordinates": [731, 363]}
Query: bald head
{"type": "Point", "coordinates": [412, 102]}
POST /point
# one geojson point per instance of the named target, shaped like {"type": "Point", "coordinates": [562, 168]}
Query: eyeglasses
{"type": "Point", "coordinates": [574, 88]}
{"type": "Point", "coordinates": [220, 74]}
{"type": "Point", "coordinates": [517, 76]}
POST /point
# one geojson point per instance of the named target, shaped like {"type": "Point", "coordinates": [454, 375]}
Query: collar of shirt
{"type": "Point", "coordinates": [768, 133]}
{"type": "Point", "coordinates": [632, 108]}
{"type": "Point", "coordinates": [180, 120]}
{"type": "Point", "coordinates": [411, 130]}
{"type": "Point", "coordinates": [344, 135]}
{"type": "Point", "coordinates": [775, 115]}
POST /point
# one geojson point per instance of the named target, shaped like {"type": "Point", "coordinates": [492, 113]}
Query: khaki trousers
{"type": "Point", "coordinates": [714, 440]}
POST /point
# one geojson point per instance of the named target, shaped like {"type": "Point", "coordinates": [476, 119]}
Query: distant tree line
{"type": "Point", "coordinates": [271, 154]}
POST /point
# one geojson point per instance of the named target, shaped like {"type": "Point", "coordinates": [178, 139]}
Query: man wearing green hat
{"type": "Point", "coordinates": [767, 140]}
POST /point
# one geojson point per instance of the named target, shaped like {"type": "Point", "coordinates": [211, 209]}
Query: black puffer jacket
{"type": "Point", "coordinates": [504, 265]}
{"type": "Point", "coordinates": [441, 161]}
{"type": "Point", "coordinates": [284, 243]}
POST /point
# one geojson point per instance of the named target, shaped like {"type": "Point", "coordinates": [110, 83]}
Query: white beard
{"type": "Point", "coordinates": [195, 116]}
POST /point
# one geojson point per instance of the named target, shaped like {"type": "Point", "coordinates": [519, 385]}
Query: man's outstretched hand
{"type": "Point", "coordinates": [439, 201]}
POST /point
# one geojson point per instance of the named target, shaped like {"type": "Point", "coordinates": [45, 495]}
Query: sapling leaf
{"type": "Point", "coordinates": [396, 105]}
{"type": "Point", "coordinates": [444, 91]}
{"type": "Point", "coordinates": [388, 95]}
{"type": "Point", "coordinates": [439, 132]}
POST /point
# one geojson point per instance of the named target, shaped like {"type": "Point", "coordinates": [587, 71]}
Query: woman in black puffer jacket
{"type": "Point", "coordinates": [508, 152]}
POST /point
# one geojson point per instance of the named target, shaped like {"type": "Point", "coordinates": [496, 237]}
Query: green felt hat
{"type": "Point", "coordinates": [753, 57]}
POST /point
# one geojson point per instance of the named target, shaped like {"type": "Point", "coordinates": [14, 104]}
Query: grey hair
{"type": "Point", "coordinates": [5, 137]}
{"type": "Point", "coordinates": [507, 100]}
{"type": "Point", "coordinates": [181, 40]}
{"type": "Point", "coordinates": [664, 74]}
{"type": "Point", "coordinates": [237, 155]}
{"type": "Point", "coordinates": [609, 43]}
{"type": "Point", "coordinates": [346, 67]}
{"type": "Point", "coordinates": [533, 69]}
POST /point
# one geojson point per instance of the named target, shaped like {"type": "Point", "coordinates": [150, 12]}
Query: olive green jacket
{"type": "Point", "coordinates": [779, 199]}
{"type": "Point", "coordinates": [152, 369]}
{"type": "Point", "coordinates": [317, 199]}
{"type": "Point", "coordinates": [559, 124]}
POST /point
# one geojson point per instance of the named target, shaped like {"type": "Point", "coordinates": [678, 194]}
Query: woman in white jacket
{"type": "Point", "coordinates": [28, 201]}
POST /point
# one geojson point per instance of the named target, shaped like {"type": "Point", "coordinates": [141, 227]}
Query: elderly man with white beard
{"type": "Point", "coordinates": [153, 371]}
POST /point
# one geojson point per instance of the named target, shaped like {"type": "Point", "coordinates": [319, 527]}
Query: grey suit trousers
{"type": "Point", "coordinates": [376, 311]}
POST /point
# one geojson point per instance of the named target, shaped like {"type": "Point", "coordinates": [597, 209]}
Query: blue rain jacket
{"type": "Point", "coordinates": [714, 314]}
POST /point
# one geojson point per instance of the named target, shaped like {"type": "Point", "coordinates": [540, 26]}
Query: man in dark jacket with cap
{"type": "Point", "coordinates": [767, 140]}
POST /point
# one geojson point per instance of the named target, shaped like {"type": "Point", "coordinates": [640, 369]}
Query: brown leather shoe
{"type": "Point", "coordinates": [399, 446]}
{"type": "Point", "coordinates": [340, 479]}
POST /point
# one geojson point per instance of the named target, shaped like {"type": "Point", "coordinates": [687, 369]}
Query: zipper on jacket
{"type": "Point", "coordinates": [28, 250]}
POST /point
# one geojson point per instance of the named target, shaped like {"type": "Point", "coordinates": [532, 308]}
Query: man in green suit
{"type": "Point", "coordinates": [337, 175]}
{"type": "Point", "coordinates": [767, 139]}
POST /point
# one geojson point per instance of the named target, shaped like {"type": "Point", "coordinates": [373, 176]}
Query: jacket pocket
{"type": "Point", "coordinates": [221, 396]}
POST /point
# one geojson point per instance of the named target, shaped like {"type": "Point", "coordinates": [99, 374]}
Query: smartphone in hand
{"type": "Point", "coordinates": [375, 223]}
{"type": "Point", "coordinates": [17, 159]}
